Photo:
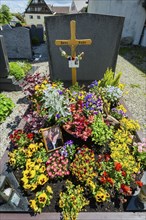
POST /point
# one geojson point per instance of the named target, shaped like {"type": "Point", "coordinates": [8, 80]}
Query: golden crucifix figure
{"type": "Point", "coordinates": [73, 43]}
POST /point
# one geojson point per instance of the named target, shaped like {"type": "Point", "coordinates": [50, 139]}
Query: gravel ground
{"type": "Point", "coordinates": [135, 81]}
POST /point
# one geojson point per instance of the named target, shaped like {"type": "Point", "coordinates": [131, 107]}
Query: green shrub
{"type": "Point", "coordinates": [25, 66]}
{"type": "Point", "coordinates": [6, 107]}
{"type": "Point", "coordinates": [19, 69]}
{"type": "Point", "coordinates": [16, 71]}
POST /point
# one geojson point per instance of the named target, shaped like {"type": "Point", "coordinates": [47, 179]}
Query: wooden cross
{"type": "Point", "coordinates": [73, 43]}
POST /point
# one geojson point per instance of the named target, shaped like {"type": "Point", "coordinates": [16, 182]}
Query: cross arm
{"type": "Point", "coordinates": [62, 42]}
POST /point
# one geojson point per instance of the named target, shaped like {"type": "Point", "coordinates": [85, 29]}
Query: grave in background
{"type": "Point", "coordinates": [6, 82]}
{"type": "Point", "coordinates": [37, 33]}
{"type": "Point", "coordinates": [105, 33]}
{"type": "Point", "coordinates": [18, 43]}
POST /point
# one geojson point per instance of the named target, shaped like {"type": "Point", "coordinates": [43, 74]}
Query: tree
{"type": "Point", "coordinates": [5, 14]}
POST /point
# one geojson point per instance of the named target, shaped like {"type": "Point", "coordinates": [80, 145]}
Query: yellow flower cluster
{"type": "Point", "coordinates": [72, 201]}
{"type": "Point", "coordinates": [129, 124]}
{"type": "Point", "coordinates": [41, 87]}
{"type": "Point", "coordinates": [32, 148]}
{"type": "Point", "coordinates": [100, 194]}
{"type": "Point", "coordinates": [17, 158]}
{"type": "Point", "coordinates": [34, 174]}
{"type": "Point", "coordinates": [122, 108]}
{"type": "Point", "coordinates": [120, 152]}
{"type": "Point", "coordinates": [83, 165]}
{"type": "Point", "coordinates": [42, 198]}
{"type": "Point", "coordinates": [81, 95]}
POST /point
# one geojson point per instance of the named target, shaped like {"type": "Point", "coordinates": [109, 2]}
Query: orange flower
{"type": "Point", "coordinates": [118, 166]}
{"type": "Point", "coordinates": [139, 183]}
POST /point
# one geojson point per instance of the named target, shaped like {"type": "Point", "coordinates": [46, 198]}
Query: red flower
{"type": "Point", "coordinates": [118, 166]}
{"type": "Point", "coordinates": [103, 180]}
{"type": "Point", "coordinates": [105, 174]}
{"type": "Point", "coordinates": [30, 135]}
{"type": "Point", "coordinates": [126, 189]}
{"type": "Point", "coordinates": [124, 173]}
{"type": "Point", "coordinates": [110, 180]}
{"type": "Point", "coordinates": [139, 183]}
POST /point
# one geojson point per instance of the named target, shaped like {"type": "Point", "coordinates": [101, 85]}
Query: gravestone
{"type": "Point", "coordinates": [4, 63]}
{"type": "Point", "coordinates": [105, 33]}
{"type": "Point", "coordinates": [37, 33]}
{"type": "Point", "coordinates": [6, 82]}
{"type": "Point", "coordinates": [17, 42]}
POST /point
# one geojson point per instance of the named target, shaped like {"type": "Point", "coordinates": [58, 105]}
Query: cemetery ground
{"type": "Point", "coordinates": [131, 62]}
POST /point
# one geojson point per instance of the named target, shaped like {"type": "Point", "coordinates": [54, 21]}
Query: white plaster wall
{"type": "Point", "coordinates": [132, 10]}
{"type": "Point", "coordinates": [143, 42]}
{"type": "Point", "coordinates": [35, 20]}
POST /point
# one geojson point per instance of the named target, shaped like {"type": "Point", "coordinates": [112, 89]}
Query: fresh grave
{"type": "Point", "coordinates": [100, 163]}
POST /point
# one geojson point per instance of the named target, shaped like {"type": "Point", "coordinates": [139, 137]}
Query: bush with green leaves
{"type": "Point", "coordinates": [19, 69]}
{"type": "Point", "coordinates": [6, 107]}
{"type": "Point", "coordinates": [110, 79]}
{"type": "Point", "coordinates": [101, 133]}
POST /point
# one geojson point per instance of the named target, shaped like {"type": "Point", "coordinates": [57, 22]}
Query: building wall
{"type": "Point", "coordinates": [134, 13]}
{"type": "Point", "coordinates": [35, 20]}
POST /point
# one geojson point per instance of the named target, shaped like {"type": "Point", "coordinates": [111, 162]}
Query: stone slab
{"type": "Point", "coordinates": [7, 84]}
{"type": "Point", "coordinates": [23, 204]}
{"type": "Point", "coordinates": [18, 43]}
{"type": "Point", "coordinates": [105, 33]}
{"type": "Point", "coordinates": [4, 63]}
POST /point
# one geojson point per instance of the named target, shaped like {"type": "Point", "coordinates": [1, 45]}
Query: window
{"type": "Point", "coordinates": [31, 16]}
{"type": "Point", "coordinates": [38, 17]}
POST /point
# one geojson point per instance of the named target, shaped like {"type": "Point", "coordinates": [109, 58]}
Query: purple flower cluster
{"type": "Point", "coordinates": [94, 83]}
{"type": "Point", "coordinates": [68, 149]}
{"type": "Point", "coordinates": [93, 103]}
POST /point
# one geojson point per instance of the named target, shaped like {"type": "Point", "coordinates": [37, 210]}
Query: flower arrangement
{"type": "Point", "coordinates": [83, 166]}
{"type": "Point", "coordinates": [101, 133]}
{"type": "Point", "coordinates": [139, 151]}
{"type": "Point", "coordinates": [57, 166]}
{"type": "Point", "coordinates": [72, 201]}
{"type": "Point", "coordinates": [19, 138]}
{"type": "Point", "coordinates": [68, 150]}
{"type": "Point", "coordinates": [98, 153]}
{"type": "Point", "coordinates": [41, 199]}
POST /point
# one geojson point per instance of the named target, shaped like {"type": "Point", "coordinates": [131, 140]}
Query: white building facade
{"type": "Point", "coordinates": [134, 12]}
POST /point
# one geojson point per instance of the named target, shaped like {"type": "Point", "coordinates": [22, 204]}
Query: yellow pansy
{"type": "Point", "coordinates": [42, 169]}
{"type": "Point", "coordinates": [33, 186]}
{"type": "Point", "coordinates": [36, 87]}
{"type": "Point", "coordinates": [33, 205]}
{"type": "Point", "coordinates": [29, 164]}
{"type": "Point", "coordinates": [27, 186]}
{"type": "Point", "coordinates": [49, 189]}
{"type": "Point", "coordinates": [42, 179]}
{"type": "Point", "coordinates": [39, 160]}
{"type": "Point", "coordinates": [24, 180]}
{"type": "Point", "coordinates": [42, 198]}
{"type": "Point", "coordinates": [12, 161]}
{"type": "Point", "coordinates": [28, 153]}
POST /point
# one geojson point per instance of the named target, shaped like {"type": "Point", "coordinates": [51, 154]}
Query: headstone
{"type": "Point", "coordinates": [4, 63]}
{"type": "Point", "coordinates": [105, 33]}
{"type": "Point", "coordinates": [37, 33]}
{"type": "Point", "coordinates": [6, 82]}
{"type": "Point", "coordinates": [17, 42]}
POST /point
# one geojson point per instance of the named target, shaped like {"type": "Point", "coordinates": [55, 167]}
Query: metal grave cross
{"type": "Point", "coordinates": [73, 43]}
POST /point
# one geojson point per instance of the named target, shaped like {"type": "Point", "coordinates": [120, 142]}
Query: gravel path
{"type": "Point", "coordinates": [134, 79]}
{"type": "Point", "coordinates": [135, 90]}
